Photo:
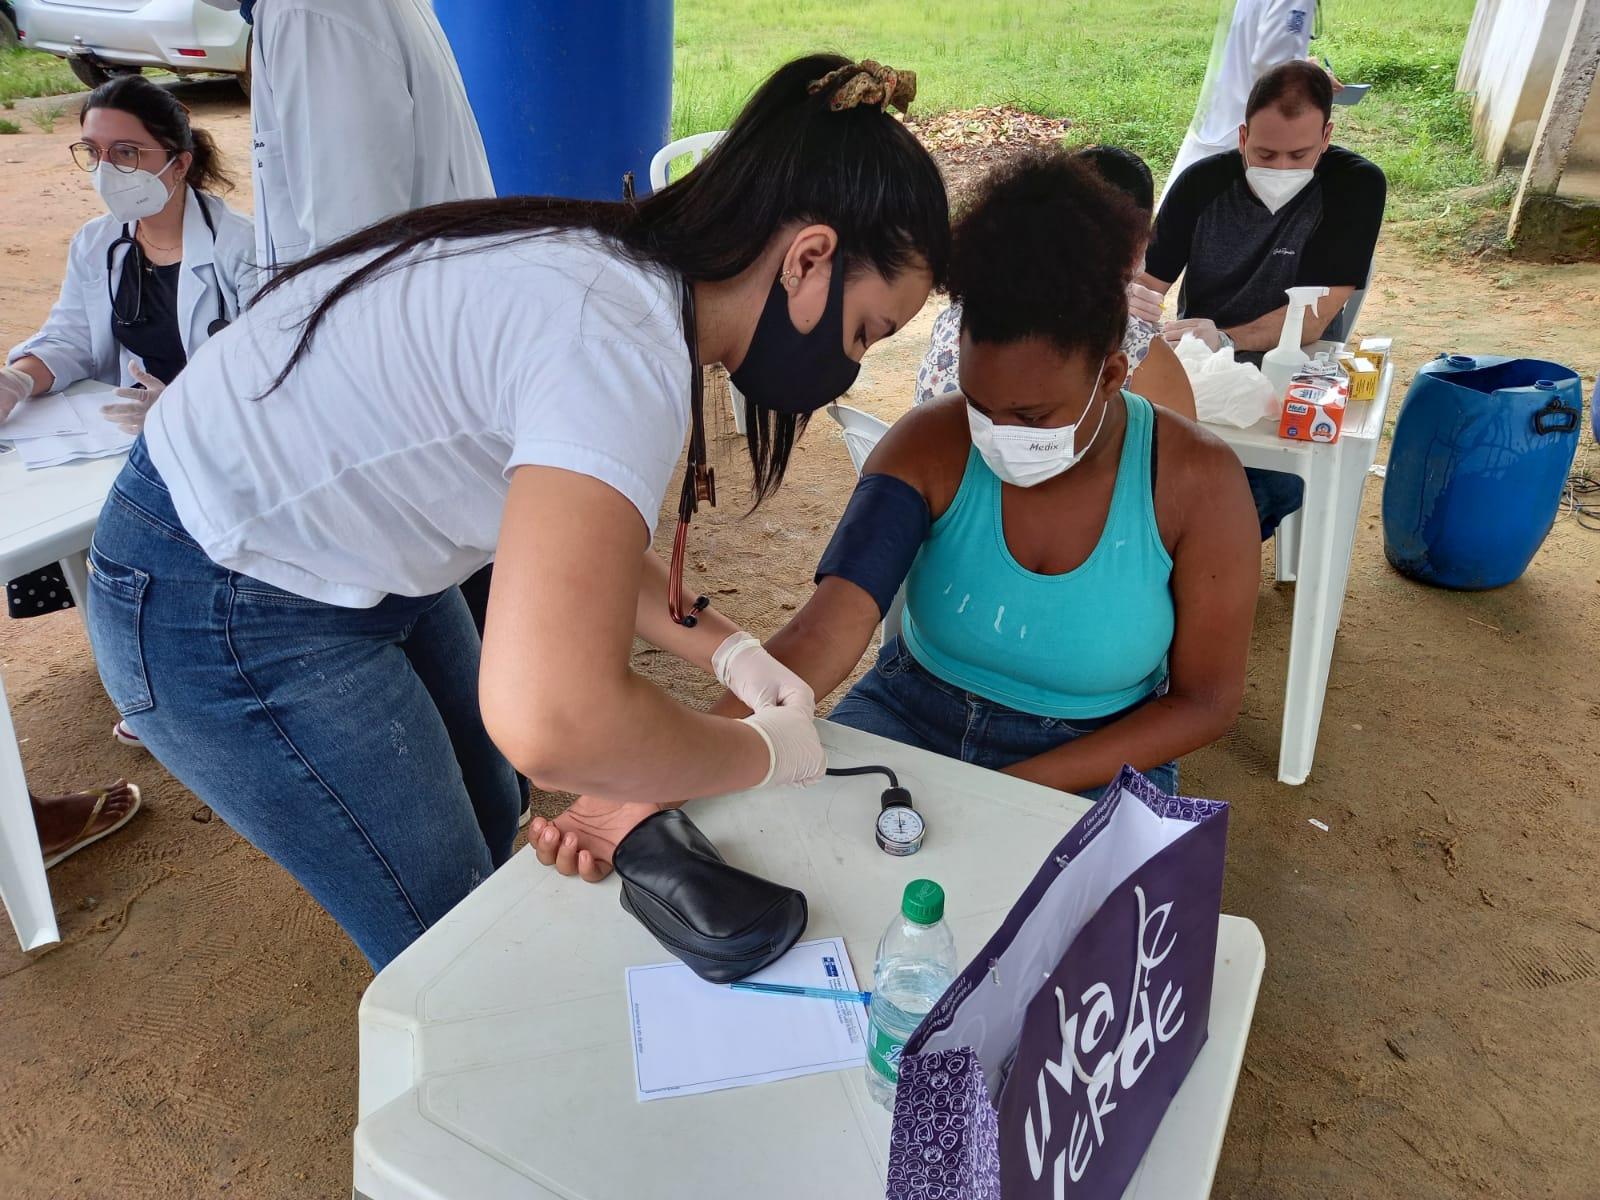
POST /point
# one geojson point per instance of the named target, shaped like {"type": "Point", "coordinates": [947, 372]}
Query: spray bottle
{"type": "Point", "coordinates": [1283, 360]}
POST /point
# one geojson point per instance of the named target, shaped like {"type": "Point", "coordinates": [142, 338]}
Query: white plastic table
{"type": "Point", "coordinates": [46, 516]}
{"type": "Point", "coordinates": [1314, 550]}
{"type": "Point", "coordinates": [495, 1051]}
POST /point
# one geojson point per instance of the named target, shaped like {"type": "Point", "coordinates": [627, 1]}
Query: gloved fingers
{"type": "Point", "coordinates": [151, 383]}
{"type": "Point", "coordinates": [797, 756]}
{"type": "Point", "coordinates": [1145, 303]}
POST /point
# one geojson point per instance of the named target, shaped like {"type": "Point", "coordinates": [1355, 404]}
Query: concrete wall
{"type": "Point", "coordinates": [1509, 61]}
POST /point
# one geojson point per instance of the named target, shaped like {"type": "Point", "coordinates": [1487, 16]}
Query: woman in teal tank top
{"type": "Point", "coordinates": [1080, 569]}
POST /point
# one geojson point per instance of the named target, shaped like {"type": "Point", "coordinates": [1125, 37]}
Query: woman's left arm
{"type": "Point", "coordinates": [1216, 573]}
{"type": "Point", "coordinates": [1161, 379]}
{"type": "Point", "coordinates": [655, 625]}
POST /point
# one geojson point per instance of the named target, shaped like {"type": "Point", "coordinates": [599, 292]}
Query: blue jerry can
{"type": "Point", "coordinates": [1481, 453]}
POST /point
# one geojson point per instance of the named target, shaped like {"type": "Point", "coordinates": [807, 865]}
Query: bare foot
{"type": "Point", "coordinates": [582, 840]}
{"type": "Point", "coordinates": [60, 819]}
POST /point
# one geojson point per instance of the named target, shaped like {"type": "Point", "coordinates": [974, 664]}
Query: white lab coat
{"type": "Point", "coordinates": [358, 112]}
{"type": "Point", "coordinates": [78, 342]}
{"type": "Point", "coordinates": [1260, 35]}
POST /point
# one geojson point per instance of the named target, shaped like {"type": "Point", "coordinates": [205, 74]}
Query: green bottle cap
{"type": "Point", "coordinates": [923, 902]}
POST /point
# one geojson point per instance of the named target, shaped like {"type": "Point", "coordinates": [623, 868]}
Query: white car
{"type": "Point", "coordinates": [103, 38]}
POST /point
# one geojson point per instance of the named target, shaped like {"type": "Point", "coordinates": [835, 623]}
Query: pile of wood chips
{"type": "Point", "coordinates": [968, 142]}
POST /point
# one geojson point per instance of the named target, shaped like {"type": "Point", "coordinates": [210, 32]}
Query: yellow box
{"type": "Point", "coordinates": [1363, 374]}
{"type": "Point", "coordinates": [1376, 351]}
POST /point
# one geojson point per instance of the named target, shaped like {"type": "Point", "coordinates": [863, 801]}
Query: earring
{"type": "Point", "coordinates": [788, 280]}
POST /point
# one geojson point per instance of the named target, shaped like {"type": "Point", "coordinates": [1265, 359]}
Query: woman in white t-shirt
{"type": "Point", "coordinates": [273, 576]}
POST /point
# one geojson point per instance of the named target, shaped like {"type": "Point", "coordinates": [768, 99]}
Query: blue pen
{"type": "Point", "coordinates": [795, 989]}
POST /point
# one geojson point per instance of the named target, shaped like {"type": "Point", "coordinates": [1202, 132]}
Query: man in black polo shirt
{"type": "Point", "coordinates": [1285, 209]}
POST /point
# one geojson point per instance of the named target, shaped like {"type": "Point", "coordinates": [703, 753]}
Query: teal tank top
{"type": "Point", "coordinates": [1088, 643]}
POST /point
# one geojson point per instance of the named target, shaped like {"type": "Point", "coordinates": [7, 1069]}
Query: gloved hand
{"type": "Point", "coordinates": [1206, 330]}
{"type": "Point", "coordinates": [743, 666]}
{"type": "Point", "coordinates": [791, 738]}
{"type": "Point", "coordinates": [16, 386]}
{"type": "Point", "coordinates": [129, 416]}
{"type": "Point", "coordinates": [1144, 303]}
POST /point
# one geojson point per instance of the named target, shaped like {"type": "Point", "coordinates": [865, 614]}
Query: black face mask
{"type": "Point", "coordinates": [787, 371]}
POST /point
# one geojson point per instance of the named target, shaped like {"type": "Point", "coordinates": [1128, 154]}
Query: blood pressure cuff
{"type": "Point", "coordinates": [723, 923]}
{"type": "Point", "coordinates": [877, 539]}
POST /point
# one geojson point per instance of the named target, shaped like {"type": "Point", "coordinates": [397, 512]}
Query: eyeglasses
{"type": "Point", "coordinates": [123, 156]}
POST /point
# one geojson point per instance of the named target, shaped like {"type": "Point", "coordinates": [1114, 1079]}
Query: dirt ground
{"type": "Point", "coordinates": [1428, 1022]}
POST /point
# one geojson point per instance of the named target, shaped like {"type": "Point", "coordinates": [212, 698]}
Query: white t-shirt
{"type": "Point", "coordinates": [382, 463]}
{"type": "Point", "coordinates": [1261, 35]}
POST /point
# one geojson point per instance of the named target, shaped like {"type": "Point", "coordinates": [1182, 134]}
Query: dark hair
{"type": "Point", "coordinates": [1291, 88]}
{"type": "Point", "coordinates": [1125, 171]}
{"type": "Point", "coordinates": [167, 120]}
{"type": "Point", "coordinates": [786, 158]}
{"type": "Point", "coordinates": [1046, 250]}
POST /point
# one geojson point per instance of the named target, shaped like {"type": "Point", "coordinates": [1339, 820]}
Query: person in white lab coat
{"type": "Point", "coordinates": [357, 112]}
{"type": "Point", "coordinates": [146, 284]}
{"type": "Point", "coordinates": [167, 266]}
{"type": "Point", "coordinates": [1260, 35]}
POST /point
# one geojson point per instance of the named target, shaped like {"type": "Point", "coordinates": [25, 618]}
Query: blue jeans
{"type": "Point", "coordinates": [902, 700]}
{"type": "Point", "coordinates": [1277, 494]}
{"type": "Point", "coordinates": [344, 743]}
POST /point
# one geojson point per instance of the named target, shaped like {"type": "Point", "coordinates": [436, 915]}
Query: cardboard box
{"type": "Point", "coordinates": [1376, 351]}
{"type": "Point", "coordinates": [1363, 374]}
{"type": "Point", "coordinates": [1314, 406]}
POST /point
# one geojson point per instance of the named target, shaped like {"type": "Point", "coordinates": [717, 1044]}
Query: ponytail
{"type": "Point", "coordinates": [814, 145]}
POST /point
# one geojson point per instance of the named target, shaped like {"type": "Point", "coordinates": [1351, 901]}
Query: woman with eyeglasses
{"type": "Point", "coordinates": [146, 284]}
{"type": "Point", "coordinates": [274, 605]}
{"type": "Point", "coordinates": [162, 271]}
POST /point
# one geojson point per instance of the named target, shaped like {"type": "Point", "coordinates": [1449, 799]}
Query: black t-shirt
{"type": "Point", "coordinates": [1240, 257]}
{"type": "Point", "coordinates": [154, 337]}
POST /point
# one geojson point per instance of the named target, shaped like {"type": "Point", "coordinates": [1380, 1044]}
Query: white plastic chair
{"type": "Point", "coordinates": [861, 432]}
{"type": "Point", "coordinates": [697, 145]}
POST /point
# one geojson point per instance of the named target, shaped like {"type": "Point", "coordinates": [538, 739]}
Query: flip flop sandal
{"type": "Point", "coordinates": [84, 838]}
{"type": "Point", "coordinates": [126, 736]}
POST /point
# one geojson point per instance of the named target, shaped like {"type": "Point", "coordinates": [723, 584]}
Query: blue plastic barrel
{"type": "Point", "coordinates": [1481, 453]}
{"type": "Point", "coordinates": [569, 94]}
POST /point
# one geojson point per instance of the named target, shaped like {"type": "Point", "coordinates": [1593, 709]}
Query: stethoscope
{"type": "Point", "coordinates": [132, 243]}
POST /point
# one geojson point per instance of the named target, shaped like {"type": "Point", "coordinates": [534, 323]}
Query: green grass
{"type": "Point", "coordinates": [10, 127]}
{"type": "Point", "coordinates": [27, 73]}
{"type": "Point", "coordinates": [1124, 71]}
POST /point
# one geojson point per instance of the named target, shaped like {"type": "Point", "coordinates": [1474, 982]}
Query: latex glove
{"type": "Point", "coordinates": [130, 414]}
{"type": "Point", "coordinates": [1145, 303]}
{"type": "Point", "coordinates": [743, 666]}
{"type": "Point", "coordinates": [16, 386]}
{"type": "Point", "coordinates": [792, 741]}
{"type": "Point", "coordinates": [1206, 330]}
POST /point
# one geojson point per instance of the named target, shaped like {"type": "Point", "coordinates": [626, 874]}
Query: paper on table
{"type": "Point", "coordinates": [43, 416]}
{"type": "Point", "coordinates": [97, 438]}
{"type": "Point", "coordinates": [690, 1036]}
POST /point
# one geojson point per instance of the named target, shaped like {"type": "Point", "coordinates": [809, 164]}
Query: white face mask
{"type": "Point", "coordinates": [132, 195]}
{"type": "Point", "coordinates": [1025, 456]}
{"type": "Point", "coordinates": [1275, 187]}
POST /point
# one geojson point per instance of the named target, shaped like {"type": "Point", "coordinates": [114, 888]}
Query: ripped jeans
{"type": "Point", "coordinates": [345, 743]}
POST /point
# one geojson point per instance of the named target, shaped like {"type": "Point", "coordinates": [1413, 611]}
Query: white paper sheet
{"type": "Point", "coordinates": [690, 1036]}
{"type": "Point", "coordinates": [42, 416]}
{"type": "Point", "coordinates": [96, 436]}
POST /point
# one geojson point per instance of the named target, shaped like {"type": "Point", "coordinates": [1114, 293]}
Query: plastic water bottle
{"type": "Point", "coordinates": [916, 963]}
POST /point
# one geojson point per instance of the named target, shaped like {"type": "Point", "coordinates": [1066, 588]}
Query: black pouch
{"type": "Point", "coordinates": [723, 923]}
